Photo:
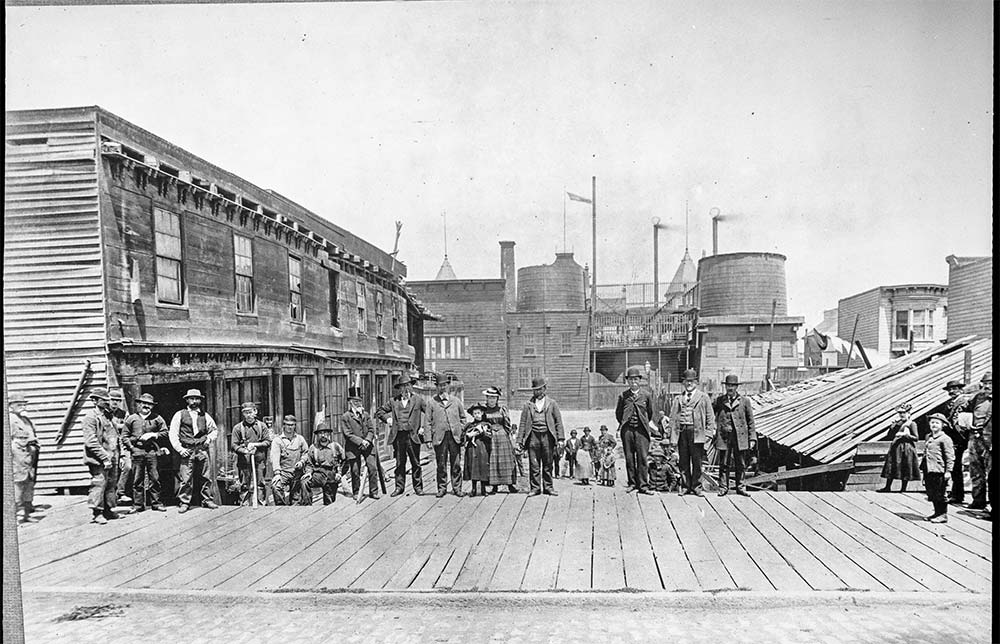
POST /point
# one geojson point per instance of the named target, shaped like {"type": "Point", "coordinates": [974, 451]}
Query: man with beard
{"type": "Point", "coordinates": [287, 450]}
{"type": "Point", "coordinates": [543, 427]}
{"type": "Point", "coordinates": [404, 413]}
{"type": "Point", "coordinates": [101, 451]}
{"type": "Point", "coordinates": [143, 431]}
{"type": "Point", "coordinates": [691, 424]}
{"type": "Point", "coordinates": [446, 419]}
{"type": "Point", "coordinates": [634, 413]}
{"type": "Point", "coordinates": [359, 443]}
{"type": "Point", "coordinates": [191, 432]}
{"type": "Point", "coordinates": [321, 467]}
{"type": "Point", "coordinates": [24, 453]}
{"type": "Point", "coordinates": [251, 442]}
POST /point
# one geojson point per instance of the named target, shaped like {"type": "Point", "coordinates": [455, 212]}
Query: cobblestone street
{"type": "Point", "coordinates": [471, 618]}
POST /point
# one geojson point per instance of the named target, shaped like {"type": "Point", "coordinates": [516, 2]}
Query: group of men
{"type": "Point", "coordinates": [692, 420]}
{"type": "Point", "coordinates": [970, 427]}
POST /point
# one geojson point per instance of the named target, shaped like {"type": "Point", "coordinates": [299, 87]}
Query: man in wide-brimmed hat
{"type": "Point", "coordinates": [692, 422]}
{"type": "Point", "coordinates": [191, 432]}
{"type": "Point", "coordinates": [359, 443]}
{"type": "Point", "coordinates": [101, 452]}
{"type": "Point", "coordinates": [981, 442]}
{"type": "Point", "coordinates": [251, 442]}
{"type": "Point", "coordinates": [24, 455]}
{"type": "Point", "coordinates": [321, 467]}
{"type": "Point", "coordinates": [736, 434]}
{"type": "Point", "coordinates": [404, 414]}
{"type": "Point", "coordinates": [950, 409]}
{"type": "Point", "coordinates": [541, 427]}
{"type": "Point", "coordinates": [444, 421]}
{"type": "Point", "coordinates": [634, 413]}
{"type": "Point", "coordinates": [141, 438]}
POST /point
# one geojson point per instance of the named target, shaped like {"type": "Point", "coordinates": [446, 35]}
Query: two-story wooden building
{"type": "Point", "coordinates": [163, 272]}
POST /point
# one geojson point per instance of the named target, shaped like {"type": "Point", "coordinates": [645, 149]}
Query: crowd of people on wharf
{"type": "Point", "coordinates": [282, 468]}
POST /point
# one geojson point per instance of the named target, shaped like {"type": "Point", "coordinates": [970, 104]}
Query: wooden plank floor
{"type": "Point", "coordinates": [587, 538]}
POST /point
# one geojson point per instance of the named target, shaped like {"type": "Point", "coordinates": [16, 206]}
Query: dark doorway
{"type": "Point", "coordinates": [297, 399]}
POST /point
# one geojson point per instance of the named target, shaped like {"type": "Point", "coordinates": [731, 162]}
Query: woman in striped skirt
{"type": "Point", "coordinates": [503, 463]}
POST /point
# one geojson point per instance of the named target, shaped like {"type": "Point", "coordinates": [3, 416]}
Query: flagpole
{"type": "Point", "coordinates": [593, 271]}
{"type": "Point", "coordinates": [564, 219]}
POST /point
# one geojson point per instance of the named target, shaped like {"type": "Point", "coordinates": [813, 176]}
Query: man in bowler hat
{"type": "Point", "coordinates": [541, 427]}
{"type": "Point", "coordinates": [143, 432]}
{"type": "Point", "coordinates": [691, 424]}
{"type": "Point", "coordinates": [736, 434]}
{"type": "Point", "coordinates": [634, 413]}
{"type": "Point", "coordinates": [404, 415]}
{"type": "Point", "coordinates": [445, 422]}
{"type": "Point", "coordinates": [359, 443]}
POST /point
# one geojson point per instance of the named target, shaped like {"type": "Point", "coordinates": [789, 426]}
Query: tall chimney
{"type": "Point", "coordinates": [509, 273]}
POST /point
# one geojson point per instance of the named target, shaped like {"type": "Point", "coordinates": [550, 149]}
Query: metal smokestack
{"type": "Point", "coordinates": [715, 229]}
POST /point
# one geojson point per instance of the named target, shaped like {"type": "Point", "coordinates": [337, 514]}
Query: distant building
{"type": "Point", "coordinates": [816, 355]}
{"type": "Point", "coordinates": [894, 320]}
{"type": "Point", "coordinates": [970, 297]}
{"type": "Point", "coordinates": [507, 331]}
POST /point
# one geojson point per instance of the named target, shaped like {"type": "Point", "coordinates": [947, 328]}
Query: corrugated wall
{"type": "Point", "coordinates": [53, 294]}
{"type": "Point", "coordinates": [970, 297]}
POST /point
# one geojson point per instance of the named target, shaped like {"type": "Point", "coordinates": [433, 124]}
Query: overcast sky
{"type": "Point", "coordinates": [853, 137]}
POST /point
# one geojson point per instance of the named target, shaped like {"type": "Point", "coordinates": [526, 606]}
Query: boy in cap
{"type": "Point", "coordinates": [736, 434]}
{"type": "Point", "coordinates": [101, 451]}
{"type": "Point", "coordinates": [191, 432]}
{"type": "Point", "coordinates": [359, 443]}
{"type": "Point", "coordinates": [691, 424]}
{"type": "Point", "coordinates": [251, 442]}
{"type": "Point", "coordinates": [938, 455]}
{"type": "Point", "coordinates": [143, 431]}
{"type": "Point", "coordinates": [321, 467]}
{"type": "Point", "coordinates": [24, 453]}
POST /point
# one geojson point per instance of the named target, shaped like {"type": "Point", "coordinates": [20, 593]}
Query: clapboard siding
{"type": "Point", "coordinates": [970, 297]}
{"type": "Point", "coordinates": [54, 314]}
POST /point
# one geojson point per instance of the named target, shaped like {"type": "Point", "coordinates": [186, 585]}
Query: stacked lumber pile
{"type": "Point", "coordinates": [827, 417]}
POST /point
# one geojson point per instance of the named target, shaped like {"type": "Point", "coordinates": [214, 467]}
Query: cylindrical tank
{"type": "Point", "coordinates": [742, 284]}
{"type": "Point", "coordinates": [551, 287]}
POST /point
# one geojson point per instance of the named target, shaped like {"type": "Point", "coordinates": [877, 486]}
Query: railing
{"type": "Point", "coordinates": [629, 330]}
{"type": "Point", "coordinates": [630, 295]}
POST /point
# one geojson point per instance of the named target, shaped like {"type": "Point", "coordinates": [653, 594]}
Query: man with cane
{"type": "Point", "coordinates": [359, 443]}
{"type": "Point", "coordinates": [251, 442]}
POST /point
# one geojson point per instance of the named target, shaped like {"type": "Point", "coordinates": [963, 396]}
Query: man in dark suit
{"type": "Point", "coordinates": [445, 419]}
{"type": "Point", "coordinates": [359, 443]}
{"type": "Point", "coordinates": [736, 434]}
{"type": "Point", "coordinates": [404, 413]}
{"type": "Point", "coordinates": [541, 427]}
{"type": "Point", "coordinates": [634, 413]}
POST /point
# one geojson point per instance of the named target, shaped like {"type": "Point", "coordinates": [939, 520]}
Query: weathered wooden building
{"type": "Point", "coordinates": [163, 272]}
{"type": "Point", "coordinates": [970, 297]}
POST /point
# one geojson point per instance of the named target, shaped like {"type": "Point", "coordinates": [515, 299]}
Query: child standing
{"type": "Point", "coordinates": [901, 462]}
{"type": "Point", "coordinates": [478, 440]}
{"type": "Point", "coordinates": [939, 458]}
{"type": "Point", "coordinates": [558, 459]}
{"type": "Point", "coordinates": [608, 467]}
{"type": "Point", "coordinates": [584, 466]}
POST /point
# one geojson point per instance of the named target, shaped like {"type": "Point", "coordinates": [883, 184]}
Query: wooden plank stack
{"type": "Point", "coordinates": [826, 418]}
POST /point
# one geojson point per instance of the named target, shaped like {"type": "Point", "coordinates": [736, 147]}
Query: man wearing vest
{"type": "Point", "coordinates": [191, 432]}
{"type": "Point", "coordinates": [691, 424]}
{"type": "Point", "coordinates": [542, 427]}
{"type": "Point", "coordinates": [404, 414]}
{"type": "Point", "coordinates": [143, 431]}
{"type": "Point", "coordinates": [24, 453]}
{"type": "Point", "coordinates": [981, 442]}
{"type": "Point", "coordinates": [736, 434]}
{"type": "Point", "coordinates": [321, 467]}
{"type": "Point", "coordinates": [634, 413]}
{"type": "Point", "coordinates": [101, 451]}
{"type": "Point", "coordinates": [359, 443]}
{"type": "Point", "coordinates": [445, 421]}
{"type": "Point", "coordinates": [287, 451]}
{"type": "Point", "coordinates": [251, 442]}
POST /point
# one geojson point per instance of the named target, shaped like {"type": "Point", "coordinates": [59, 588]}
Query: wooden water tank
{"type": "Point", "coordinates": [742, 284]}
{"type": "Point", "coordinates": [551, 287]}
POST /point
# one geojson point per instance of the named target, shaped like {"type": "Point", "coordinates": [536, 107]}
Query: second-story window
{"type": "Point", "coordinates": [243, 253]}
{"type": "Point", "coordinates": [362, 298]}
{"type": "Point", "coordinates": [295, 288]}
{"type": "Point", "coordinates": [379, 313]}
{"type": "Point", "coordinates": [334, 298]}
{"type": "Point", "coordinates": [395, 318]}
{"type": "Point", "coordinates": [528, 343]}
{"type": "Point", "coordinates": [169, 285]}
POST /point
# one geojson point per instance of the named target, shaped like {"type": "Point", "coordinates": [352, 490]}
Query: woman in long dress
{"type": "Point", "coordinates": [503, 461]}
{"type": "Point", "coordinates": [901, 462]}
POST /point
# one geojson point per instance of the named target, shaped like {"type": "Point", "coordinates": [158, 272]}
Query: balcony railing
{"type": "Point", "coordinates": [630, 330]}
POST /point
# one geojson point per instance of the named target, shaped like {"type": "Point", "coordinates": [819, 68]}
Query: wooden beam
{"type": "Point", "coordinates": [784, 475]}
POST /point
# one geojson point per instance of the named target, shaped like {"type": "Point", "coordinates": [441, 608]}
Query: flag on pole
{"type": "Point", "coordinates": [573, 197]}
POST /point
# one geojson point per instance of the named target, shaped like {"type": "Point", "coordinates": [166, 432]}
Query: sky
{"type": "Point", "coordinates": [853, 137]}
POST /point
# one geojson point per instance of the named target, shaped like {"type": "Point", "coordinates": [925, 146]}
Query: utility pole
{"type": "Point", "coordinates": [770, 346]}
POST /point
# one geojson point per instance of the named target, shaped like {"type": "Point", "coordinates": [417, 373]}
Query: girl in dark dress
{"type": "Point", "coordinates": [478, 439]}
{"type": "Point", "coordinates": [503, 462]}
{"type": "Point", "coordinates": [901, 462]}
